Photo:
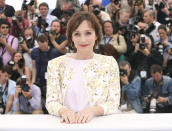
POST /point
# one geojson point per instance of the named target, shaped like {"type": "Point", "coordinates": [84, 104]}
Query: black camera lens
{"type": "Point", "coordinates": [116, 2]}
{"type": "Point", "coordinates": [21, 63]}
{"type": "Point", "coordinates": [25, 87]}
{"type": "Point", "coordinates": [123, 72]}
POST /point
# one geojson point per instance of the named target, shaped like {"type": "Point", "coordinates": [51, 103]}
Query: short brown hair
{"type": "Point", "coordinates": [77, 19]}
{"type": "Point", "coordinates": [42, 38]}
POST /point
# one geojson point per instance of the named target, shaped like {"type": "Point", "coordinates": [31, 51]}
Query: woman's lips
{"type": "Point", "coordinates": [84, 45]}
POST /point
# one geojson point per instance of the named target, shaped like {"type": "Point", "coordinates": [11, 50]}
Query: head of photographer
{"type": "Point", "coordinates": [158, 91]}
{"type": "Point", "coordinates": [18, 66]}
{"type": "Point", "coordinates": [7, 90]}
{"type": "Point", "coordinates": [130, 88]}
{"type": "Point", "coordinates": [27, 98]}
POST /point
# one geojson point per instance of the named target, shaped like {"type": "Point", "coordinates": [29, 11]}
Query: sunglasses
{"type": "Point", "coordinates": [4, 27]}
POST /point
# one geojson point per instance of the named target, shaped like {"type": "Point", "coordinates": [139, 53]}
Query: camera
{"type": "Point", "coordinates": [20, 40]}
{"type": "Point", "coordinates": [22, 82]}
{"type": "Point", "coordinates": [116, 2]}
{"type": "Point", "coordinates": [53, 32]}
{"type": "Point", "coordinates": [11, 63]}
{"type": "Point", "coordinates": [26, 3]}
{"type": "Point", "coordinates": [123, 72]}
{"type": "Point", "coordinates": [21, 63]}
{"type": "Point", "coordinates": [2, 108]}
{"type": "Point", "coordinates": [152, 107]}
{"type": "Point", "coordinates": [42, 23]}
{"type": "Point", "coordinates": [96, 9]}
{"type": "Point", "coordinates": [142, 44]}
{"type": "Point", "coordinates": [162, 4]}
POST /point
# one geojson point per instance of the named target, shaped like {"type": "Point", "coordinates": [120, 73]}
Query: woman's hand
{"type": "Point", "coordinates": [85, 115]}
{"type": "Point", "coordinates": [67, 116]}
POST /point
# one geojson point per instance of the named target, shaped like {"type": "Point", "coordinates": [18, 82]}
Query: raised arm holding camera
{"type": "Point", "coordinates": [27, 99]}
{"type": "Point", "coordinates": [8, 43]}
{"type": "Point", "coordinates": [130, 89]}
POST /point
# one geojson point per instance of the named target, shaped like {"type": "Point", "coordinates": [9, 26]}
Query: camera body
{"type": "Point", "coordinates": [53, 32]}
{"type": "Point", "coordinates": [42, 23]}
{"type": "Point", "coordinates": [123, 72]}
{"type": "Point", "coordinates": [96, 9]}
{"type": "Point", "coordinates": [142, 44]}
{"type": "Point", "coordinates": [22, 83]}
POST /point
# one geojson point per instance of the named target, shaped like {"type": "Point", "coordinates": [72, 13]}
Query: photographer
{"type": "Point", "coordinates": [7, 90]}
{"type": "Point", "coordinates": [26, 44]}
{"type": "Point", "coordinates": [143, 55]}
{"type": "Point", "coordinates": [112, 9]}
{"type": "Point", "coordinates": [7, 9]}
{"type": "Point", "coordinates": [152, 28]}
{"type": "Point", "coordinates": [19, 24]}
{"type": "Point", "coordinates": [57, 40]}
{"type": "Point", "coordinates": [44, 20]}
{"type": "Point", "coordinates": [130, 88]}
{"type": "Point", "coordinates": [162, 11]}
{"type": "Point", "coordinates": [27, 98]}
{"type": "Point", "coordinates": [8, 43]}
{"type": "Point", "coordinates": [158, 92]}
{"type": "Point", "coordinates": [96, 8]}
{"type": "Point", "coordinates": [18, 66]}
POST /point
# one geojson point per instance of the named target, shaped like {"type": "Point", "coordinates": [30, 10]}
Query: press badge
{"type": "Point", "coordinates": [143, 74]}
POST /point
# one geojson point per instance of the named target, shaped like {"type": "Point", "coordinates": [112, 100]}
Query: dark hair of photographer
{"type": "Point", "coordinates": [18, 66]}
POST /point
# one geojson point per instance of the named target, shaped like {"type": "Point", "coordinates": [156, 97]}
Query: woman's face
{"type": "Point", "coordinates": [56, 26]}
{"type": "Point", "coordinates": [84, 37]}
{"type": "Point", "coordinates": [162, 33]}
{"type": "Point", "coordinates": [17, 57]}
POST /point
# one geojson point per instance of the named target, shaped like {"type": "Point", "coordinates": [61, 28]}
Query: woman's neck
{"type": "Point", "coordinates": [83, 55]}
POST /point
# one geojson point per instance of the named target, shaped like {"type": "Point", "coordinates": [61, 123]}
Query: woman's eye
{"type": "Point", "coordinates": [88, 33]}
{"type": "Point", "coordinates": [76, 34]}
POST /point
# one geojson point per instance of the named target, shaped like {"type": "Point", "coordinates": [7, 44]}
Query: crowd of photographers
{"type": "Point", "coordinates": [137, 33]}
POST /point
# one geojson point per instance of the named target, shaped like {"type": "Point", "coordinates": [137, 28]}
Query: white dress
{"type": "Point", "coordinates": [76, 97]}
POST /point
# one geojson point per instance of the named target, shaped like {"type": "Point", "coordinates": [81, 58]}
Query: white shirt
{"type": "Point", "coordinates": [76, 97]}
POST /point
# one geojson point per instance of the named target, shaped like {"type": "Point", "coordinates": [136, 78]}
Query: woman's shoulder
{"type": "Point", "coordinates": [58, 60]}
{"type": "Point", "coordinates": [104, 58]}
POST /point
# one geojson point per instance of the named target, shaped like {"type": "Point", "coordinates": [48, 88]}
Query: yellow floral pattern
{"type": "Point", "coordinates": [102, 78]}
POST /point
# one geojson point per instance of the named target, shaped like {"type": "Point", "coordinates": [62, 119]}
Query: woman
{"type": "Point", "coordinates": [82, 85]}
{"type": "Point", "coordinates": [19, 67]}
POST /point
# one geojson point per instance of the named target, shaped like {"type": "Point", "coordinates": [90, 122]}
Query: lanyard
{"type": "Point", "coordinates": [110, 38]}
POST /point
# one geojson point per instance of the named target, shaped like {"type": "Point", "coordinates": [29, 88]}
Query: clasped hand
{"type": "Point", "coordinates": [70, 117]}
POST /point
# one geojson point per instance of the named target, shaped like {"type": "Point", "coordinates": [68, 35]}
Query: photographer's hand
{"type": "Point", "coordinates": [145, 51]}
{"type": "Point", "coordinates": [3, 41]}
{"type": "Point", "coordinates": [124, 79]}
{"type": "Point", "coordinates": [136, 48]}
{"type": "Point", "coordinates": [162, 99]}
{"type": "Point", "coordinates": [67, 115]}
{"type": "Point", "coordinates": [18, 91]}
{"type": "Point", "coordinates": [28, 94]}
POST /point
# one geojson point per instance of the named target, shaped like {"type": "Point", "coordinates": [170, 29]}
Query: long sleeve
{"type": "Point", "coordinates": [119, 43]}
{"type": "Point", "coordinates": [111, 104]}
{"type": "Point", "coordinates": [53, 83]}
{"type": "Point", "coordinates": [16, 104]}
{"type": "Point", "coordinates": [35, 101]}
